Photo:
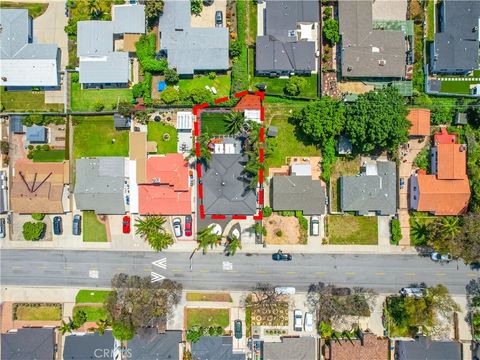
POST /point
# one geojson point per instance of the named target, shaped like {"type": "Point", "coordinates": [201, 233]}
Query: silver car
{"type": "Point", "coordinates": [297, 320]}
{"type": "Point", "coordinates": [177, 227]}
{"type": "Point", "coordinates": [436, 256]}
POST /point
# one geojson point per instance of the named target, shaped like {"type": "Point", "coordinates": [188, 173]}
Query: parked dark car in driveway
{"type": "Point", "coordinates": [238, 329]}
{"type": "Point", "coordinates": [77, 225]}
{"type": "Point", "coordinates": [57, 225]}
{"type": "Point", "coordinates": [218, 19]}
{"type": "Point", "coordinates": [281, 256]}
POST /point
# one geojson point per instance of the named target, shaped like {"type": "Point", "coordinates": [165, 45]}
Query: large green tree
{"type": "Point", "coordinates": [151, 228]}
{"type": "Point", "coordinates": [467, 244]}
{"type": "Point", "coordinates": [331, 31]}
{"type": "Point", "coordinates": [377, 121]}
{"type": "Point", "coordinates": [235, 122]}
{"type": "Point", "coordinates": [153, 9]}
{"type": "Point", "coordinates": [207, 238]}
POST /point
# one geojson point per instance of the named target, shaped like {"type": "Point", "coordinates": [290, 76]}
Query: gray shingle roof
{"type": "Point", "coordinates": [88, 346]}
{"type": "Point", "coordinates": [371, 193]}
{"type": "Point", "coordinates": [298, 193]}
{"type": "Point", "coordinates": [367, 52]}
{"type": "Point", "coordinates": [423, 348]}
{"type": "Point", "coordinates": [302, 347]}
{"type": "Point", "coordinates": [190, 49]}
{"type": "Point", "coordinates": [94, 38]}
{"type": "Point", "coordinates": [456, 45]}
{"type": "Point", "coordinates": [128, 19]}
{"type": "Point", "coordinates": [215, 348]}
{"type": "Point", "coordinates": [151, 345]}
{"type": "Point", "coordinates": [225, 186]}
{"type": "Point", "coordinates": [29, 344]}
{"type": "Point", "coordinates": [111, 68]}
{"type": "Point", "coordinates": [99, 185]}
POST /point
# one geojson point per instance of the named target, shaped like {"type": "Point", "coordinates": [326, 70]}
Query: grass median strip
{"type": "Point", "coordinates": [91, 296]}
{"type": "Point", "coordinates": [221, 297]}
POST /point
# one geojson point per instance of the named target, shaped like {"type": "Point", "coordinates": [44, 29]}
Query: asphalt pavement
{"type": "Point", "coordinates": [214, 271]}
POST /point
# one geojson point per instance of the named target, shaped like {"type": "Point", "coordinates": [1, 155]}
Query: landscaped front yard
{"type": "Point", "coordinates": [164, 135]}
{"type": "Point", "coordinates": [33, 312]}
{"type": "Point", "coordinates": [352, 230]}
{"type": "Point", "coordinates": [91, 296]}
{"type": "Point", "coordinates": [94, 313]}
{"type": "Point", "coordinates": [205, 317]}
{"type": "Point", "coordinates": [271, 316]}
{"type": "Point", "coordinates": [34, 9]}
{"type": "Point", "coordinates": [214, 123]}
{"type": "Point", "coordinates": [290, 141]}
{"type": "Point", "coordinates": [94, 135]}
{"type": "Point", "coordinates": [87, 100]}
{"type": "Point", "coordinates": [282, 230]}
{"type": "Point", "coordinates": [26, 101]}
{"type": "Point", "coordinates": [221, 83]}
{"type": "Point", "coordinates": [344, 166]}
{"type": "Point", "coordinates": [197, 296]}
{"type": "Point", "coordinates": [93, 229]}
{"type": "Point", "coordinates": [419, 223]}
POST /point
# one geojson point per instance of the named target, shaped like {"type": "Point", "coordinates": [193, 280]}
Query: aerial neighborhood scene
{"type": "Point", "coordinates": [240, 179]}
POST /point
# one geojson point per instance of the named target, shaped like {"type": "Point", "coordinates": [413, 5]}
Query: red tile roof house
{"type": "Point", "coordinates": [446, 191]}
{"type": "Point", "coordinates": [166, 190]}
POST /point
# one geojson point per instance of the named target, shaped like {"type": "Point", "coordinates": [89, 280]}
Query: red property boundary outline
{"type": "Point", "coordinates": [197, 111]}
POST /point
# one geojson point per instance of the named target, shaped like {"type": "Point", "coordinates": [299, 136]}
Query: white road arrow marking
{"type": "Point", "coordinates": [156, 277]}
{"type": "Point", "coordinates": [162, 263]}
{"type": "Point", "coordinates": [227, 266]}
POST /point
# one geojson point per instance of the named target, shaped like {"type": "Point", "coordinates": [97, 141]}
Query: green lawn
{"type": "Point", "coordinates": [352, 230]}
{"type": "Point", "coordinates": [91, 296]}
{"type": "Point", "coordinates": [48, 156]}
{"type": "Point", "coordinates": [85, 100]}
{"type": "Point", "coordinates": [34, 9]}
{"type": "Point", "coordinates": [93, 135]}
{"type": "Point", "coordinates": [156, 130]}
{"type": "Point", "coordinates": [26, 101]}
{"type": "Point", "coordinates": [43, 312]}
{"type": "Point", "coordinates": [430, 20]}
{"type": "Point", "coordinates": [221, 83]}
{"type": "Point", "coordinates": [456, 87]}
{"type": "Point", "coordinates": [252, 21]}
{"type": "Point", "coordinates": [214, 123]}
{"type": "Point", "coordinates": [93, 230]}
{"type": "Point", "coordinates": [94, 313]}
{"type": "Point", "coordinates": [198, 296]}
{"type": "Point", "coordinates": [290, 141]}
{"type": "Point", "coordinates": [208, 317]}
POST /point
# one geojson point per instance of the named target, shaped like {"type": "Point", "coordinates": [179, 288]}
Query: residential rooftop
{"type": "Point", "coordinates": [420, 120]}
{"type": "Point", "coordinates": [84, 346]}
{"type": "Point", "coordinates": [425, 348]}
{"type": "Point", "coordinates": [28, 343]}
{"type": "Point", "coordinates": [298, 193]}
{"type": "Point", "coordinates": [367, 347]}
{"type": "Point", "coordinates": [149, 344]}
{"type": "Point", "coordinates": [303, 347]}
{"type": "Point", "coordinates": [215, 348]}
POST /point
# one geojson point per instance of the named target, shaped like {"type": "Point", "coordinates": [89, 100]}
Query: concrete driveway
{"type": "Point", "coordinates": [207, 16]}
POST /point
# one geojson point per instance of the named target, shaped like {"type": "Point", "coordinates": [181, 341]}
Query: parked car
{"type": "Point", "coordinates": [285, 290]}
{"type": "Point", "coordinates": [177, 227]}
{"type": "Point", "coordinates": [77, 225]}
{"type": "Point", "coordinates": [308, 323]}
{"type": "Point", "coordinates": [297, 320]}
{"type": "Point", "coordinates": [314, 226]}
{"type": "Point", "coordinates": [238, 329]}
{"type": "Point", "coordinates": [218, 19]}
{"type": "Point", "coordinates": [281, 256]}
{"type": "Point", "coordinates": [412, 292]}
{"type": "Point", "coordinates": [57, 225]}
{"type": "Point", "coordinates": [207, 2]}
{"type": "Point", "coordinates": [3, 231]}
{"type": "Point", "coordinates": [436, 256]}
{"type": "Point", "coordinates": [402, 183]}
{"type": "Point", "coordinates": [126, 224]}
{"type": "Point", "coordinates": [188, 225]}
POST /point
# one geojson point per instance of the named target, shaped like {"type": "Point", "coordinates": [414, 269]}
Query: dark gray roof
{"type": "Point", "coordinates": [280, 51]}
{"type": "Point", "coordinates": [215, 348]}
{"type": "Point", "coordinates": [88, 346]}
{"type": "Point", "coordinates": [121, 122]}
{"type": "Point", "coordinates": [456, 44]}
{"type": "Point", "coordinates": [425, 349]}
{"type": "Point", "coordinates": [99, 185]}
{"type": "Point", "coordinates": [298, 193]}
{"type": "Point", "coordinates": [151, 345]}
{"type": "Point", "coordinates": [302, 347]}
{"type": "Point", "coordinates": [16, 125]}
{"type": "Point", "coordinates": [38, 344]}
{"type": "Point", "coordinates": [367, 52]}
{"type": "Point", "coordinates": [188, 48]}
{"type": "Point", "coordinates": [225, 186]}
{"type": "Point", "coordinates": [371, 193]}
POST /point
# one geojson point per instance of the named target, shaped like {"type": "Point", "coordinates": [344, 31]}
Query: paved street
{"type": "Point", "coordinates": [384, 273]}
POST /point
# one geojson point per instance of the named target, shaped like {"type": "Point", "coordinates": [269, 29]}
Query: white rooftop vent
{"type": "Point", "coordinates": [382, 62]}
{"type": "Point", "coordinates": [375, 49]}
{"type": "Point", "coordinates": [292, 33]}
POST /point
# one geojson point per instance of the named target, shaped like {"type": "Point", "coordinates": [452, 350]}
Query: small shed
{"type": "Point", "coordinates": [461, 118]}
{"type": "Point", "coordinates": [272, 131]}
{"type": "Point", "coordinates": [37, 134]}
{"type": "Point", "coordinates": [344, 145]}
{"type": "Point", "coordinates": [121, 122]}
{"type": "Point", "coordinates": [16, 125]}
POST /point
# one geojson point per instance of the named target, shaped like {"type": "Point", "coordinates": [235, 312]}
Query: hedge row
{"type": "Point", "coordinates": [146, 51]}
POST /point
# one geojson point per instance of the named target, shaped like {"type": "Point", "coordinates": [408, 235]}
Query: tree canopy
{"type": "Point", "coordinates": [377, 121]}
{"type": "Point", "coordinates": [153, 9]}
{"type": "Point", "coordinates": [151, 229]}
{"type": "Point", "coordinates": [330, 31]}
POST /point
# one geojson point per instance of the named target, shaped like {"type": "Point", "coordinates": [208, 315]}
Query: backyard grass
{"type": "Point", "coordinates": [48, 156]}
{"type": "Point", "coordinates": [352, 230]}
{"type": "Point", "coordinates": [93, 230]}
{"type": "Point", "coordinates": [34, 9]}
{"type": "Point", "coordinates": [196, 296]}
{"type": "Point", "coordinates": [85, 100]}
{"type": "Point", "coordinates": [26, 101]}
{"type": "Point", "coordinates": [290, 141]}
{"type": "Point", "coordinates": [43, 312]}
{"type": "Point", "coordinates": [221, 83]}
{"type": "Point", "coordinates": [91, 296]}
{"type": "Point", "coordinates": [430, 20]}
{"type": "Point", "coordinates": [419, 222]}
{"type": "Point", "coordinates": [156, 130]}
{"type": "Point", "coordinates": [208, 317]}
{"type": "Point", "coordinates": [92, 136]}
{"type": "Point", "coordinates": [214, 123]}
{"type": "Point", "coordinates": [457, 87]}
{"type": "Point", "coordinates": [252, 21]}
{"type": "Point", "coordinates": [343, 166]}
{"type": "Point", "coordinates": [94, 313]}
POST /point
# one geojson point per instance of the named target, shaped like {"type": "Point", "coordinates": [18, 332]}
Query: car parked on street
{"type": "Point", "coordinates": [3, 231]}
{"type": "Point", "coordinates": [188, 225]}
{"type": "Point", "coordinates": [436, 256]}
{"type": "Point", "coordinates": [177, 227]}
{"type": "Point", "coordinates": [281, 256]}
{"type": "Point", "coordinates": [412, 292]}
{"type": "Point", "coordinates": [77, 225]}
{"type": "Point", "coordinates": [297, 320]}
{"type": "Point", "coordinates": [57, 225]}
{"type": "Point", "coordinates": [238, 329]}
{"type": "Point", "coordinates": [126, 224]}
{"type": "Point", "coordinates": [308, 322]}
{"type": "Point", "coordinates": [218, 19]}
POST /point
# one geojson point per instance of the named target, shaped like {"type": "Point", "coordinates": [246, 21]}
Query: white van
{"type": "Point", "coordinates": [314, 226]}
{"type": "Point", "coordinates": [285, 290]}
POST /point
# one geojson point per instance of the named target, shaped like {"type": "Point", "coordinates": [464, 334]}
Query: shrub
{"type": "Point", "coordinates": [137, 90]}
{"type": "Point", "coordinates": [212, 75]}
{"type": "Point", "coordinates": [38, 216]}
{"type": "Point", "coordinates": [46, 147]}
{"type": "Point", "coordinates": [396, 231]}
{"type": "Point", "coordinates": [328, 159]}
{"type": "Point", "coordinates": [330, 31]}
{"type": "Point", "coordinates": [171, 76]}
{"type": "Point", "coordinates": [30, 155]}
{"type": "Point", "coordinates": [295, 85]}
{"type": "Point", "coordinates": [33, 231]}
{"type": "Point", "coordinates": [239, 68]}
{"type": "Point", "coordinates": [267, 211]}
{"type": "Point", "coordinates": [98, 106]}
{"type": "Point", "coordinates": [147, 88]}
{"type": "Point", "coordinates": [235, 49]}
{"type": "Point", "coordinates": [169, 95]}
{"type": "Point", "coordinates": [146, 51]}
{"type": "Point", "coordinates": [31, 147]}
{"type": "Point", "coordinates": [200, 95]}
{"type": "Point", "coordinates": [196, 6]}
{"type": "Point", "coordinates": [422, 160]}
{"type": "Point", "coordinates": [75, 77]}
{"type": "Point", "coordinates": [279, 233]}
{"type": "Point", "coordinates": [327, 13]}
{"type": "Point", "coordinates": [79, 318]}
{"type": "Point", "coordinates": [286, 213]}
{"type": "Point", "coordinates": [4, 147]}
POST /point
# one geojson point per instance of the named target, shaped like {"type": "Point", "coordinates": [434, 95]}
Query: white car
{"type": "Point", "coordinates": [177, 227]}
{"type": "Point", "coordinates": [297, 320]}
{"type": "Point", "coordinates": [412, 292]}
{"type": "Point", "coordinates": [436, 256]}
{"type": "Point", "coordinates": [308, 322]}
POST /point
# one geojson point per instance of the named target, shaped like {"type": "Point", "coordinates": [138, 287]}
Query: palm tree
{"type": "Point", "coordinates": [420, 231]}
{"type": "Point", "coordinates": [206, 238]}
{"type": "Point", "coordinates": [233, 245]}
{"type": "Point", "coordinates": [102, 325]}
{"type": "Point", "coordinates": [450, 226]}
{"type": "Point", "coordinates": [235, 122]}
{"type": "Point", "coordinates": [151, 228]}
{"type": "Point", "coordinates": [94, 8]}
{"type": "Point", "coordinates": [65, 327]}
{"type": "Point", "coordinates": [205, 154]}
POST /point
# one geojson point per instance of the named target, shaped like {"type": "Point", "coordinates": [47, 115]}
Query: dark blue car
{"type": "Point", "coordinates": [57, 225]}
{"type": "Point", "coordinates": [77, 225]}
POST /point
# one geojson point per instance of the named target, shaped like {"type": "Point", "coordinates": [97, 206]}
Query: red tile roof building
{"type": "Point", "coordinates": [249, 102]}
{"type": "Point", "coordinates": [368, 347]}
{"type": "Point", "coordinates": [420, 119]}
